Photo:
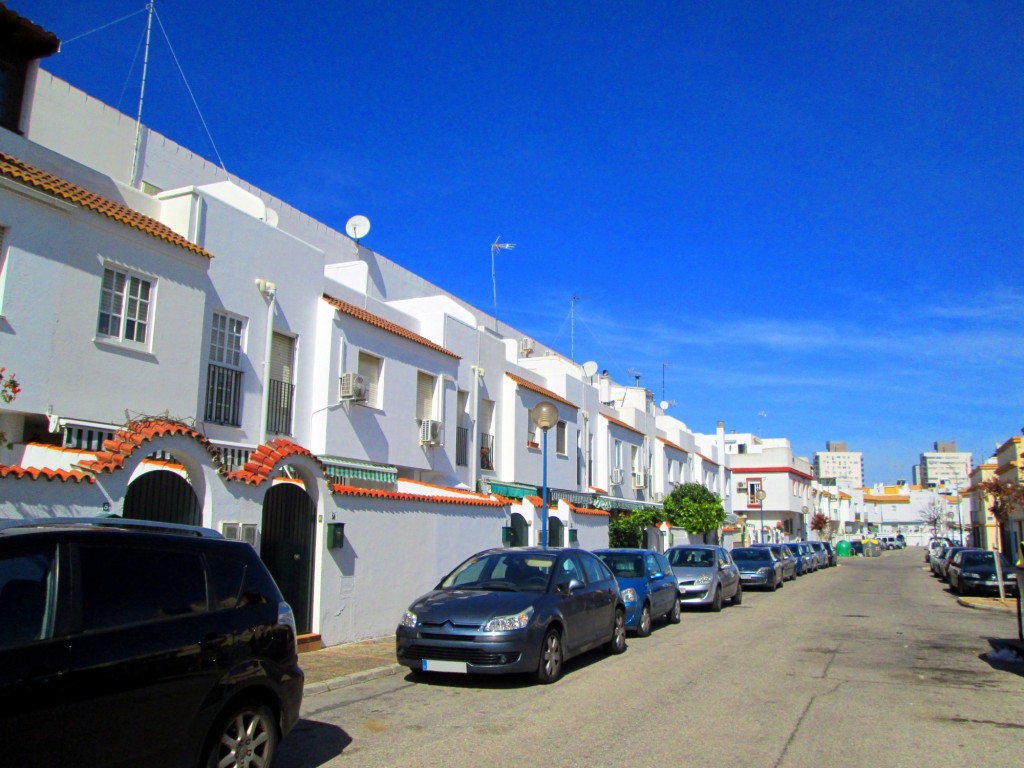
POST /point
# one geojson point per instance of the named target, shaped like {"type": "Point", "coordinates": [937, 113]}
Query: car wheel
{"type": "Point", "coordinates": [246, 735]}
{"type": "Point", "coordinates": [774, 586]}
{"type": "Point", "coordinates": [549, 668]}
{"type": "Point", "coordinates": [716, 601]}
{"type": "Point", "coordinates": [782, 581]}
{"type": "Point", "coordinates": [643, 627]}
{"type": "Point", "coordinates": [618, 642]}
{"type": "Point", "coordinates": [737, 599]}
{"type": "Point", "coordinates": [675, 615]}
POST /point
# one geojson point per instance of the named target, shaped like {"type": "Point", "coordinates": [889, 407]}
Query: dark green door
{"type": "Point", "coordinates": [162, 496]}
{"type": "Point", "coordinates": [286, 546]}
{"type": "Point", "coordinates": [520, 531]}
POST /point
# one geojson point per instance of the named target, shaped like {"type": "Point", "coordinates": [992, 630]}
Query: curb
{"type": "Point", "coordinates": [356, 677]}
{"type": "Point", "coordinates": [993, 607]}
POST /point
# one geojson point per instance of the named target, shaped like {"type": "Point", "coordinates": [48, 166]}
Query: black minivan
{"type": "Point", "coordinates": [126, 644]}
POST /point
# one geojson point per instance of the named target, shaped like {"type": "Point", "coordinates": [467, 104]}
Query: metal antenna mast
{"type": "Point", "coordinates": [142, 94]}
{"type": "Point", "coordinates": [572, 327]}
{"type": "Point", "coordinates": [495, 247]}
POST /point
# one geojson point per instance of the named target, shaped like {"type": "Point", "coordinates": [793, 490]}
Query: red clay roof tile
{"type": "Point", "coordinates": [387, 325]}
{"type": "Point", "coordinates": [539, 389]}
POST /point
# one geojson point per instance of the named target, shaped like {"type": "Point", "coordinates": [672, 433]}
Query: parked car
{"type": "Point", "coordinates": [649, 587]}
{"type": "Point", "coordinates": [785, 556]}
{"type": "Point", "coordinates": [514, 610]}
{"type": "Point", "coordinates": [821, 552]}
{"type": "Point", "coordinates": [934, 546]}
{"type": "Point", "coordinates": [707, 575]}
{"type": "Point", "coordinates": [759, 566]}
{"type": "Point", "coordinates": [123, 643]}
{"type": "Point", "coordinates": [942, 566]}
{"type": "Point", "coordinates": [830, 551]}
{"type": "Point", "coordinates": [974, 571]}
{"type": "Point", "coordinates": [805, 559]}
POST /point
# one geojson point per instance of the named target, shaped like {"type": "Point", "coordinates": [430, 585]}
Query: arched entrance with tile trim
{"type": "Point", "coordinates": [287, 535]}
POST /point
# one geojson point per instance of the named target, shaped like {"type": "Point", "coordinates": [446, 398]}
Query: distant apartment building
{"type": "Point", "coordinates": [945, 466]}
{"type": "Point", "coordinates": [839, 463]}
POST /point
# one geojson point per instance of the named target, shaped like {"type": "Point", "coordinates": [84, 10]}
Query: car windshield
{"type": "Point", "coordinates": [691, 558]}
{"type": "Point", "coordinates": [750, 555]}
{"type": "Point", "coordinates": [503, 572]}
{"type": "Point", "coordinates": [625, 565]}
{"type": "Point", "coordinates": [984, 559]}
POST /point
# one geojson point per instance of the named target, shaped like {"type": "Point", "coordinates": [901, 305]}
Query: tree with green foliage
{"type": "Point", "coordinates": [695, 509]}
{"type": "Point", "coordinates": [629, 528]}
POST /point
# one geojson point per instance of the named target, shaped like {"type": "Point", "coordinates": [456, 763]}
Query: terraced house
{"type": "Point", "coordinates": [191, 349]}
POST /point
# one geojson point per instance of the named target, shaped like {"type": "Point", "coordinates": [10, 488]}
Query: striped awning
{"type": "Point", "coordinates": [512, 490]}
{"type": "Point", "coordinates": [610, 502]}
{"type": "Point", "coordinates": [578, 498]}
{"type": "Point", "coordinates": [354, 469]}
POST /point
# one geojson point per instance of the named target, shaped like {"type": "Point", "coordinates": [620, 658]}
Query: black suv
{"type": "Point", "coordinates": [127, 644]}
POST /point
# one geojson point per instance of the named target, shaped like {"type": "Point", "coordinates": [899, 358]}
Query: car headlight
{"type": "Point", "coordinates": [509, 623]}
{"type": "Point", "coordinates": [704, 578]}
{"type": "Point", "coordinates": [970, 575]}
{"type": "Point", "coordinates": [408, 619]}
{"type": "Point", "coordinates": [629, 595]}
{"type": "Point", "coordinates": [764, 571]}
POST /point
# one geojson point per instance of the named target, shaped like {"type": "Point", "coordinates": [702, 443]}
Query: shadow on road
{"type": "Point", "coordinates": [1007, 655]}
{"type": "Point", "coordinates": [311, 744]}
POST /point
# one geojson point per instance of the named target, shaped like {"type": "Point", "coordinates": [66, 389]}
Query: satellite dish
{"type": "Point", "coordinates": [357, 227]}
{"type": "Point", "coordinates": [664, 405]}
{"type": "Point", "coordinates": [589, 368]}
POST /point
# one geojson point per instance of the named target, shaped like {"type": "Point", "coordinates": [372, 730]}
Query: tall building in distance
{"type": "Point", "coordinates": [944, 466]}
{"type": "Point", "coordinates": [841, 464]}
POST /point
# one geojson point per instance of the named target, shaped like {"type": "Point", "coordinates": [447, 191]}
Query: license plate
{"type": "Point", "coordinates": [434, 665]}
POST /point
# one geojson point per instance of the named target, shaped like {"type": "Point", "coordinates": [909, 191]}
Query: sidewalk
{"type": "Point", "coordinates": [990, 603]}
{"type": "Point", "coordinates": [341, 665]}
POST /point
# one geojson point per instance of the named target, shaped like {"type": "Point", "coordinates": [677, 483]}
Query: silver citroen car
{"type": "Point", "coordinates": [707, 575]}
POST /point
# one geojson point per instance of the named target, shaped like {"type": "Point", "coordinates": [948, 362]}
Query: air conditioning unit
{"type": "Point", "coordinates": [741, 488]}
{"type": "Point", "coordinates": [430, 432]}
{"type": "Point", "coordinates": [526, 346]}
{"type": "Point", "coordinates": [659, 496]}
{"type": "Point", "coordinates": [353, 387]}
{"type": "Point", "coordinates": [639, 480]}
{"type": "Point", "coordinates": [616, 477]}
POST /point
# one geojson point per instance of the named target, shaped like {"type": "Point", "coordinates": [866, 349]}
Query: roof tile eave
{"type": "Point", "coordinates": [386, 325]}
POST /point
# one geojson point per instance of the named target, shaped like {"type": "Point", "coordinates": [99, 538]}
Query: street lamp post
{"type": "Point", "coordinates": [760, 501]}
{"type": "Point", "coordinates": [545, 416]}
{"type": "Point", "coordinates": [803, 517]}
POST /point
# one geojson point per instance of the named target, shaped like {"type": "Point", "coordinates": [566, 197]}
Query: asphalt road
{"type": "Point", "coordinates": [872, 663]}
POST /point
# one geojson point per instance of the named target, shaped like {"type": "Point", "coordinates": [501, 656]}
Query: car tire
{"type": "Point", "coordinates": [617, 643]}
{"type": "Point", "coordinates": [716, 601]}
{"type": "Point", "coordinates": [245, 731]}
{"type": "Point", "coordinates": [549, 666]}
{"type": "Point", "coordinates": [782, 582]}
{"type": "Point", "coordinates": [737, 599]}
{"type": "Point", "coordinates": [774, 586]}
{"type": "Point", "coordinates": [675, 615]}
{"type": "Point", "coordinates": [643, 626]}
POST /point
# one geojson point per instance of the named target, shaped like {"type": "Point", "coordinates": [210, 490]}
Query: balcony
{"type": "Point", "coordinates": [223, 396]}
{"type": "Point", "coordinates": [279, 407]}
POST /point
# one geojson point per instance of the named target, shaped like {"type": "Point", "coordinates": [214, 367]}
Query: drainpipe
{"type": "Point", "coordinates": [269, 291]}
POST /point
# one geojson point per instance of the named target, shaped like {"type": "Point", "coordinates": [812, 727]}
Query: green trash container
{"type": "Point", "coordinates": [843, 549]}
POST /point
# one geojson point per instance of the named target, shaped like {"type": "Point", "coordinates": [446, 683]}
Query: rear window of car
{"type": "Point", "coordinates": [625, 565]}
{"type": "Point", "coordinates": [127, 585]}
{"type": "Point", "coordinates": [750, 555]}
{"type": "Point", "coordinates": [595, 569]}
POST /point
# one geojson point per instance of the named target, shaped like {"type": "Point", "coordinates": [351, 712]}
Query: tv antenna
{"type": "Point", "coordinates": [666, 404]}
{"type": "Point", "coordinates": [495, 247]}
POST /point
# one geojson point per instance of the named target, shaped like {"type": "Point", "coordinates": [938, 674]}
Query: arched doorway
{"type": "Point", "coordinates": [556, 531]}
{"type": "Point", "coordinates": [164, 497]}
{"type": "Point", "coordinates": [286, 546]}
{"type": "Point", "coordinates": [520, 531]}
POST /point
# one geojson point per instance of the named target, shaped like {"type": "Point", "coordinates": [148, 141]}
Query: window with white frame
{"type": "Point", "coordinates": [124, 306]}
{"type": "Point", "coordinates": [425, 384]}
{"type": "Point", "coordinates": [753, 486]}
{"type": "Point", "coordinates": [617, 454]}
{"type": "Point", "coordinates": [561, 445]}
{"type": "Point", "coordinates": [369, 369]}
{"type": "Point", "coordinates": [223, 377]}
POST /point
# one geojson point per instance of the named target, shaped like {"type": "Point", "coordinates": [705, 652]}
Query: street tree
{"type": "Point", "coordinates": [821, 525]}
{"type": "Point", "coordinates": [933, 515]}
{"type": "Point", "coordinates": [629, 528]}
{"type": "Point", "coordinates": [1005, 496]}
{"type": "Point", "coordinates": [695, 509]}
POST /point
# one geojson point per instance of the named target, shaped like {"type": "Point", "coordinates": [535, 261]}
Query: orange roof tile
{"type": "Point", "coordinates": [35, 473]}
{"type": "Point", "coordinates": [264, 460]}
{"type": "Point", "coordinates": [526, 384]}
{"type": "Point", "coordinates": [387, 325]}
{"type": "Point", "coordinates": [477, 501]}
{"type": "Point", "coordinates": [22, 172]}
{"type": "Point", "coordinates": [672, 445]}
{"type": "Point", "coordinates": [589, 511]}
{"type": "Point", "coordinates": [622, 424]}
{"type": "Point", "coordinates": [117, 450]}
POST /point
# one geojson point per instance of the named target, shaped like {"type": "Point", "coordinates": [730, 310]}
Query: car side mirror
{"type": "Point", "coordinates": [657, 575]}
{"type": "Point", "coordinates": [574, 584]}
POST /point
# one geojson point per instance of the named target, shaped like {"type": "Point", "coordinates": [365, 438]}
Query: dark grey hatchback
{"type": "Point", "coordinates": [132, 645]}
{"type": "Point", "coordinates": [522, 610]}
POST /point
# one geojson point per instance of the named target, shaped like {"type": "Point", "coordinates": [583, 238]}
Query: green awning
{"type": "Point", "coordinates": [610, 502]}
{"type": "Point", "coordinates": [573, 497]}
{"type": "Point", "coordinates": [512, 490]}
{"type": "Point", "coordinates": [354, 469]}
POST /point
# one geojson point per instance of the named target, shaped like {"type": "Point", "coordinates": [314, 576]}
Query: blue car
{"type": "Point", "coordinates": [649, 588]}
{"type": "Point", "coordinates": [805, 559]}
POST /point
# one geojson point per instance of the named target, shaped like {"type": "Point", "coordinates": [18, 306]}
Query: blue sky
{"type": "Point", "coordinates": [805, 218]}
